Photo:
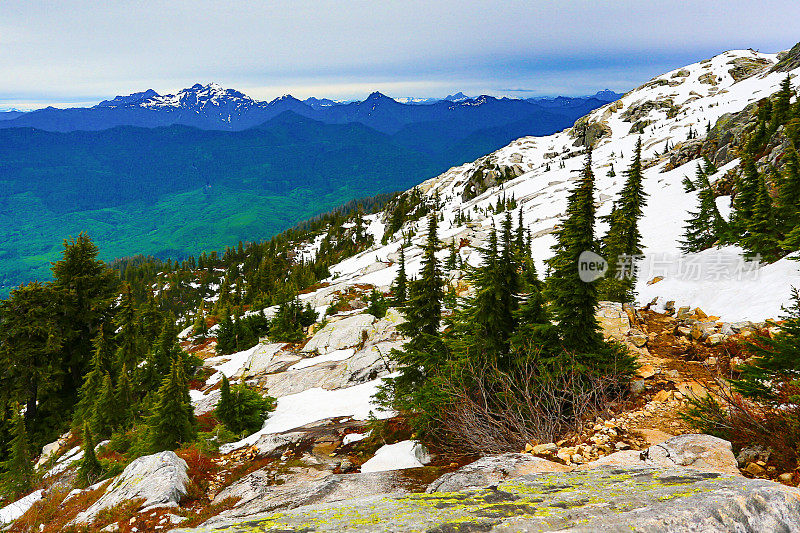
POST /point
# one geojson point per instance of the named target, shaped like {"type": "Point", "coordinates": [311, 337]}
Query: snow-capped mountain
{"type": "Point", "coordinates": [669, 110]}
{"type": "Point", "coordinates": [213, 107]}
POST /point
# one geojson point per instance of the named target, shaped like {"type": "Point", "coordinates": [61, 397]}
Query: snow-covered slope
{"type": "Point", "coordinates": [664, 110]}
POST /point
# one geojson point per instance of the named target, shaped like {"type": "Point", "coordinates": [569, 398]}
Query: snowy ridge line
{"type": "Point", "coordinates": [670, 106]}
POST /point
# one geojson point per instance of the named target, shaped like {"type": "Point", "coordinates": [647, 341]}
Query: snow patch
{"type": "Point", "coordinates": [313, 405]}
{"type": "Point", "coordinates": [12, 511]}
{"type": "Point", "coordinates": [404, 454]}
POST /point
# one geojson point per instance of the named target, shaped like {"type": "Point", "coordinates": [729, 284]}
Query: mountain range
{"type": "Point", "coordinates": [214, 107]}
{"type": "Point", "coordinates": [172, 175]}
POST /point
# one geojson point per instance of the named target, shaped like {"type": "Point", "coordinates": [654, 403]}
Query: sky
{"type": "Point", "coordinates": [76, 53]}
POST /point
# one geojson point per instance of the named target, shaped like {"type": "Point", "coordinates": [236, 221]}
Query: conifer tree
{"type": "Point", "coordinates": [536, 337]}
{"type": "Point", "coordinates": [451, 262]}
{"type": "Point", "coordinates": [781, 108]}
{"type": "Point", "coordinates": [777, 356]}
{"type": "Point", "coordinates": [200, 328]}
{"type": "Point", "coordinates": [226, 336]}
{"type": "Point", "coordinates": [623, 240]}
{"type": "Point", "coordinates": [224, 410]}
{"type": "Point", "coordinates": [574, 301]}
{"type": "Point", "coordinates": [422, 356]}
{"type": "Point", "coordinates": [241, 408]}
{"type": "Point", "coordinates": [91, 387]}
{"type": "Point", "coordinates": [18, 476]}
{"type": "Point", "coordinates": [483, 328]}
{"type": "Point", "coordinates": [128, 337]}
{"type": "Point", "coordinates": [762, 237]}
{"type": "Point", "coordinates": [706, 226]}
{"type": "Point", "coordinates": [103, 350]}
{"type": "Point", "coordinates": [105, 410]}
{"type": "Point", "coordinates": [399, 289]}
{"type": "Point", "coordinates": [508, 284]}
{"type": "Point", "coordinates": [123, 396]}
{"type": "Point", "coordinates": [788, 201]}
{"type": "Point", "coordinates": [90, 468]}
{"type": "Point", "coordinates": [152, 322]}
{"type": "Point", "coordinates": [747, 185]}
{"type": "Point", "coordinates": [160, 356]}
{"type": "Point", "coordinates": [86, 290]}
{"type": "Point", "coordinates": [290, 320]}
{"type": "Point", "coordinates": [30, 345]}
{"type": "Point", "coordinates": [172, 421]}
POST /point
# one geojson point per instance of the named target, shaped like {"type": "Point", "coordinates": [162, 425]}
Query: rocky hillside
{"type": "Point", "coordinates": [329, 459]}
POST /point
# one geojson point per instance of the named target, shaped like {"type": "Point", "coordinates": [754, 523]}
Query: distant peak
{"type": "Point", "coordinates": [456, 97]}
{"type": "Point", "coordinates": [377, 95]}
{"type": "Point", "coordinates": [284, 99]}
{"type": "Point", "coordinates": [131, 99]}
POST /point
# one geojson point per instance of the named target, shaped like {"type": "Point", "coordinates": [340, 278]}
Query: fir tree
{"type": "Point", "coordinates": [747, 185]}
{"type": "Point", "coordinates": [226, 336]}
{"type": "Point", "coordinates": [788, 201]}
{"type": "Point", "coordinates": [519, 241]}
{"type": "Point", "coordinates": [224, 410]}
{"type": "Point", "coordinates": [623, 240]}
{"type": "Point", "coordinates": [242, 409]}
{"type": "Point", "coordinates": [484, 326]}
{"type": "Point", "coordinates": [105, 410]}
{"type": "Point", "coordinates": [378, 305]}
{"type": "Point", "coordinates": [422, 356]}
{"type": "Point", "coordinates": [200, 328]}
{"type": "Point", "coordinates": [781, 109]}
{"type": "Point", "coordinates": [18, 476]}
{"type": "Point", "coordinates": [90, 468]}
{"type": "Point", "coordinates": [573, 300]}
{"type": "Point", "coordinates": [777, 357]}
{"type": "Point", "coordinates": [160, 356]}
{"type": "Point", "coordinates": [399, 289]}
{"type": "Point", "coordinates": [86, 289]}
{"type": "Point", "coordinates": [762, 238]}
{"type": "Point", "coordinates": [123, 396]}
{"type": "Point", "coordinates": [128, 337]}
{"type": "Point", "coordinates": [290, 320]}
{"type": "Point", "coordinates": [536, 338]}
{"type": "Point", "coordinates": [172, 421]}
{"type": "Point", "coordinates": [30, 345]}
{"type": "Point", "coordinates": [91, 387]}
{"type": "Point", "coordinates": [152, 322]}
{"type": "Point", "coordinates": [706, 226]}
{"type": "Point", "coordinates": [451, 262]}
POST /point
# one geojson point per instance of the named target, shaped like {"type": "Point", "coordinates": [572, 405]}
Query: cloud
{"type": "Point", "coordinates": [87, 50]}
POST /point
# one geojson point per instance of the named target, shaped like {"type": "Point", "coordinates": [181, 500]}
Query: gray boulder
{"type": "Point", "coordinates": [274, 444]}
{"type": "Point", "coordinates": [641, 498]}
{"type": "Point", "coordinates": [266, 491]}
{"type": "Point", "coordinates": [492, 470]}
{"type": "Point", "coordinates": [341, 334]}
{"type": "Point", "coordinates": [158, 480]}
{"type": "Point", "coordinates": [693, 451]}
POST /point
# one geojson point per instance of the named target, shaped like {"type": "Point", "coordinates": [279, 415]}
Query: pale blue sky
{"type": "Point", "coordinates": [79, 52]}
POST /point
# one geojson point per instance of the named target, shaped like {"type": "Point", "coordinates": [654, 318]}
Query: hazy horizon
{"type": "Point", "coordinates": [82, 53]}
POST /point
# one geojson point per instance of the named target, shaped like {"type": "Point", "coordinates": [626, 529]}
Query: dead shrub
{"type": "Point", "coordinates": [495, 411]}
{"type": "Point", "coordinates": [725, 413]}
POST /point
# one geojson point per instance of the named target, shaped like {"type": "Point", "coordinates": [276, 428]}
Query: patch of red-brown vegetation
{"type": "Point", "coordinates": [314, 287]}
{"type": "Point", "coordinates": [54, 511]}
{"type": "Point", "coordinates": [203, 470]}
